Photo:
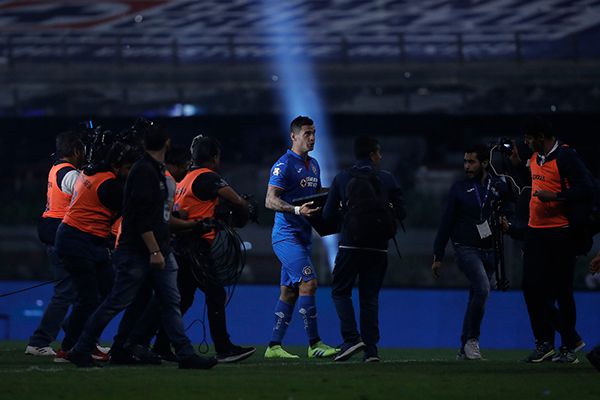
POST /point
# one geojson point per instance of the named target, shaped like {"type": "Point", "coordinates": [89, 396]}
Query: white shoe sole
{"type": "Point", "coordinates": [236, 358]}
{"type": "Point", "coordinates": [343, 356]}
{"type": "Point", "coordinates": [33, 351]}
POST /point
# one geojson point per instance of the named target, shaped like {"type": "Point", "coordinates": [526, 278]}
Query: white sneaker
{"type": "Point", "coordinates": [40, 351]}
{"type": "Point", "coordinates": [472, 351]}
{"type": "Point", "coordinates": [101, 349]}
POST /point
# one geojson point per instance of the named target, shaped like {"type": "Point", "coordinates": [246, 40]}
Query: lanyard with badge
{"type": "Point", "coordinates": [484, 227]}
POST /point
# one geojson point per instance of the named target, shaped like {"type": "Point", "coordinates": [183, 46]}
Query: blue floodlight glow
{"type": "Point", "coordinates": [298, 88]}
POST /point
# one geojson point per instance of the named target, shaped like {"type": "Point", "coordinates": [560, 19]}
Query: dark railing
{"type": "Point", "coordinates": [406, 47]}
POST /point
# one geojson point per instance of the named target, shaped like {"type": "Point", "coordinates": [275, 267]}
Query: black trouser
{"type": "Point", "coordinates": [215, 298]}
{"type": "Point", "coordinates": [92, 281]}
{"type": "Point", "coordinates": [548, 272]}
{"type": "Point", "coordinates": [369, 266]}
{"type": "Point", "coordinates": [131, 319]}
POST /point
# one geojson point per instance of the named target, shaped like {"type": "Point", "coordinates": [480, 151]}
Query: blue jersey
{"type": "Point", "coordinates": [297, 178]}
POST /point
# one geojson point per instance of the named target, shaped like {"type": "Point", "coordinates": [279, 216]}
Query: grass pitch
{"type": "Point", "coordinates": [402, 374]}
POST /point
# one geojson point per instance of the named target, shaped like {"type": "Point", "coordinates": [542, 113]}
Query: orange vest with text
{"type": "Point", "coordinates": [57, 201]}
{"type": "Point", "coordinates": [546, 177]}
{"type": "Point", "coordinates": [87, 213]}
{"type": "Point", "coordinates": [195, 208]}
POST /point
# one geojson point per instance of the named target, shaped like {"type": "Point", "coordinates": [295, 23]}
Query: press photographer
{"type": "Point", "coordinates": [470, 220]}
{"type": "Point", "coordinates": [196, 198]}
{"type": "Point", "coordinates": [557, 231]}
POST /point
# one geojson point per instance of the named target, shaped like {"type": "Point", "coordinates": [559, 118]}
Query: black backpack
{"type": "Point", "coordinates": [369, 217]}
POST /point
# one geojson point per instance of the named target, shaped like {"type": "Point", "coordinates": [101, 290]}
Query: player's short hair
{"type": "Point", "coordinates": [482, 151]}
{"type": "Point", "coordinates": [538, 127]}
{"type": "Point", "coordinates": [204, 149]}
{"type": "Point", "coordinates": [298, 122]}
{"type": "Point", "coordinates": [364, 146]}
{"type": "Point", "coordinates": [67, 143]}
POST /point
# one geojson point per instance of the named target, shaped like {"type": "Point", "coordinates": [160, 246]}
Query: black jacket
{"type": "Point", "coordinates": [333, 209]}
{"type": "Point", "coordinates": [145, 206]}
{"type": "Point", "coordinates": [463, 211]}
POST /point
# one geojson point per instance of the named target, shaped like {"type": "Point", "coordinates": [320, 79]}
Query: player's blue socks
{"type": "Point", "coordinates": [283, 316]}
{"type": "Point", "coordinates": [308, 309]}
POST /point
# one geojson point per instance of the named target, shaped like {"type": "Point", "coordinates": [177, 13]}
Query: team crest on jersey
{"type": "Point", "coordinates": [306, 271]}
{"type": "Point", "coordinates": [276, 171]}
{"type": "Point", "coordinates": [314, 169]}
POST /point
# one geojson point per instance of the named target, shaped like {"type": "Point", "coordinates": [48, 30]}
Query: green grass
{"type": "Point", "coordinates": [403, 374]}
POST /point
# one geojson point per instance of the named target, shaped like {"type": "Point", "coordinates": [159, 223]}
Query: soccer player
{"type": "Point", "coordinates": [70, 154]}
{"type": "Point", "coordinates": [295, 175]}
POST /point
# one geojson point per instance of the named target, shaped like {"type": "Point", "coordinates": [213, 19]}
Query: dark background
{"type": "Point", "coordinates": [427, 78]}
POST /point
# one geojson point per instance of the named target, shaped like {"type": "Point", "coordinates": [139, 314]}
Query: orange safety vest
{"type": "Point", "coordinates": [57, 201]}
{"type": "Point", "coordinates": [87, 213]}
{"type": "Point", "coordinates": [195, 208]}
{"type": "Point", "coordinates": [115, 230]}
{"type": "Point", "coordinates": [546, 177]}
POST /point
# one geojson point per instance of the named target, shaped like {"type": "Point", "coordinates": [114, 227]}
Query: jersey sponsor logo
{"type": "Point", "coordinates": [276, 171]}
{"type": "Point", "coordinates": [310, 182]}
{"type": "Point", "coordinates": [306, 271]}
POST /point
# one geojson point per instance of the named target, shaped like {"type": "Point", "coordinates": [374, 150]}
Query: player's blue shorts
{"type": "Point", "coordinates": [296, 265]}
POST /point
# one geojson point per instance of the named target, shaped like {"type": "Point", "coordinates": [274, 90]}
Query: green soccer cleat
{"type": "Point", "coordinates": [278, 352]}
{"type": "Point", "coordinates": [321, 350]}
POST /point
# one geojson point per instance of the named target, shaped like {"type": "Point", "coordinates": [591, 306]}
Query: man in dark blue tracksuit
{"type": "Point", "coordinates": [466, 221]}
{"type": "Point", "coordinates": [367, 261]}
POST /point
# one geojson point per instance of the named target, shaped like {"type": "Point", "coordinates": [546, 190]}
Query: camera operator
{"type": "Point", "coordinates": [466, 221]}
{"type": "Point", "coordinates": [144, 253]}
{"type": "Point", "coordinates": [69, 154]}
{"type": "Point", "coordinates": [82, 238]}
{"type": "Point", "coordinates": [196, 198]}
{"type": "Point", "coordinates": [560, 188]}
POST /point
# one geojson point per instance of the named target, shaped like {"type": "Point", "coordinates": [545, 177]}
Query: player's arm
{"type": "Point", "coordinates": [274, 202]}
